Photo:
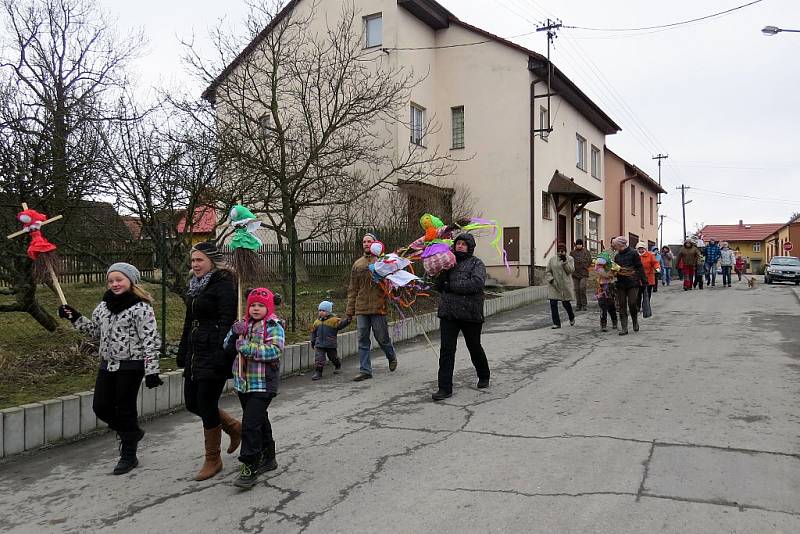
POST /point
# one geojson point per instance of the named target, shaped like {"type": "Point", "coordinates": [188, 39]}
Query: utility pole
{"type": "Point", "coordinates": [659, 157]}
{"type": "Point", "coordinates": [683, 189]}
{"type": "Point", "coordinates": [550, 28]}
{"type": "Point", "coordinates": [661, 230]}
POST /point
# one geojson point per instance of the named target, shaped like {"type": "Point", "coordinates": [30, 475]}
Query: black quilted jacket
{"type": "Point", "coordinates": [461, 288]}
{"type": "Point", "coordinates": [209, 317]}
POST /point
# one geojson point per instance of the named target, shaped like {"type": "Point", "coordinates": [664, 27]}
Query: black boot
{"type": "Point", "coordinates": [635, 320]}
{"type": "Point", "coordinates": [623, 321]}
{"type": "Point", "coordinates": [268, 462]}
{"type": "Point", "coordinates": [127, 451]}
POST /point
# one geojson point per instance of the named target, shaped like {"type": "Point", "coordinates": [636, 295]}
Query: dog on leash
{"type": "Point", "coordinates": [751, 282]}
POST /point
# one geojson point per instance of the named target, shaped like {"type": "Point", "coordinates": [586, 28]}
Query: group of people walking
{"type": "Point", "coordinates": [698, 265]}
{"type": "Point", "coordinates": [215, 347]}
{"type": "Point", "coordinates": [621, 293]}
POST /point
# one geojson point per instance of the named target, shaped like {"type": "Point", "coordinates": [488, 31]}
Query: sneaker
{"type": "Point", "coordinates": [317, 374]}
{"type": "Point", "coordinates": [337, 367]}
{"type": "Point", "coordinates": [362, 376]}
{"type": "Point", "coordinates": [393, 364]}
{"type": "Point", "coordinates": [603, 329]}
{"type": "Point", "coordinates": [614, 326]}
{"type": "Point", "coordinates": [248, 476]}
{"type": "Point", "coordinates": [441, 395]}
{"type": "Point", "coordinates": [483, 383]}
{"type": "Point", "coordinates": [572, 322]}
{"type": "Point", "coordinates": [556, 326]}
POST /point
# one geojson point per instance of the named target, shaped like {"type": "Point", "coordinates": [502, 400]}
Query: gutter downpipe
{"type": "Point", "coordinates": [531, 185]}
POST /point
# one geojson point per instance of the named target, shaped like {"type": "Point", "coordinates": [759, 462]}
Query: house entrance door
{"type": "Point", "coordinates": [561, 236]}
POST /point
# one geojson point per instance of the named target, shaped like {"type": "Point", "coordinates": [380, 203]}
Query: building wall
{"type": "Point", "coordinates": [774, 243]}
{"type": "Point", "coordinates": [632, 223]}
{"type": "Point", "coordinates": [558, 152]}
{"type": "Point", "coordinates": [753, 258]}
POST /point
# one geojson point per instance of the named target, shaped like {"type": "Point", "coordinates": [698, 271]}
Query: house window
{"type": "Point", "coordinates": [417, 124]}
{"type": "Point", "coordinates": [457, 116]}
{"type": "Point", "coordinates": [578, 226]}
{"type": "Point", "coordinates": [633, 199]}
{"type": "Point", "coordinates": [544, 123]}
{"type": "Point", "coordinates": [641, 208]}
{"type": "Point", "coordinates": [580, 155]}
{"type": "Point", "coordinates": [265, 125]}
{"type": "Point", "coordinates": [546, 214]}
{"type": "Point", "coordinates": [651, 211]}
{"type": "Point", "coordinates": [757, 246]}
{"type": "Point", "coordinates": [373, 30]}
{"type": "Point", "coordinates": [595, 162]}
{"type": "Point", "coordinates": [593, 232]}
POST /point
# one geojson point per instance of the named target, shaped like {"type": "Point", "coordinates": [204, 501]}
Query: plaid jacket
{"type": "Point", "coordinates": [260, 351]}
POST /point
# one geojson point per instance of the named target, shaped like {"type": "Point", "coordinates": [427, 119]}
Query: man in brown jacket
{"type": "Point", "coordinates": [365, 300]}
{"type": "Point", "coordinates": [583, 260]}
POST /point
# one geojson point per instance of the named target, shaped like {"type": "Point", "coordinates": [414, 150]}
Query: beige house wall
{"type": "Point", "coordinates": [615, 168]}
{"type": "Point", "coordinates": [493, 83]}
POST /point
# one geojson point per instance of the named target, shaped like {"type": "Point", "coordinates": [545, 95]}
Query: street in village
{"type": "Point", "coordinates": [691, 425]}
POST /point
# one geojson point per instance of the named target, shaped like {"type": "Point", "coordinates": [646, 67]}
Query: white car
{"type": "Point", "coordinates": [783, 269]}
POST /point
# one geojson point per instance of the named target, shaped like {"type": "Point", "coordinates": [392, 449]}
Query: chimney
{"type": "Point", "coordinates": [741, 223]}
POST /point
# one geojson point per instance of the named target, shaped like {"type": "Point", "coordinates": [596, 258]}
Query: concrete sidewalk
{"type": "Point", "coordinates": [688, 426]}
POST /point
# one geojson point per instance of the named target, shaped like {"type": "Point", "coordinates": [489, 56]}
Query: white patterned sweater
{"type": "Point", "coordinates": [130, 335]}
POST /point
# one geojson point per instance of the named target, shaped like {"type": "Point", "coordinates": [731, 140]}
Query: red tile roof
{"type": "Point", "coordinates": [205, 221]}
{"type": "Point", "coordinates": [735, 232]}
{"type": "Point", "coordinates": [134, 225]}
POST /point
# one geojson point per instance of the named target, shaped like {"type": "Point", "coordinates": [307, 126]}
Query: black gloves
{"type": "Point", "coordinates": [152, 381]}
{"type": "Point", "coordinates": [65, 311]}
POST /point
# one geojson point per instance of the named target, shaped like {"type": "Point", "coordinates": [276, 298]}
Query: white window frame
{"type": "Point", "coordinates": [592, 236]}
{"type": "Point", "coordinates": [580, 152]}
{"type": "Point", "coordinates": [370, 39]}
{"type": "Point", "coordinates": [454, 111]}
{"type": "Point", "coordinates": [544, 123]}
{"type": "Point", "coordinates": [417, 123]}
{"type": "Point", "coordinates": [596, 162]}
{"type": "Point", "coordinates": [757, 246]}
{"type": "Point", "coordinates": [547, 212]}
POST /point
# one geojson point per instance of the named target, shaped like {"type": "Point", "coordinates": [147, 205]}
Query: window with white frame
{"type": "Point", "coordinates": [373, 30]}
{"type": "Point", "coordinates": [593, 232]}
{"type": "Point", "coordinates": [546, 205]}
{"type": "Point", "coordinates": [596, 162]}
{"type": "Point", "coordinates": [579, 228]}
{"type": "Point", "coordinates": [457, 120]}
{"type": "Point", "coordinates": [757, 246]}
{"type": "Point", "coordinates": [580, 152]}
{"type": "Point", "coordinates": [544, 123]}
{"type": "Point", "coordinates": [417, 124]}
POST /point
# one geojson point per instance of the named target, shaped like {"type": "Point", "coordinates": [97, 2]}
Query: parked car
{"type": "Point", "coordinates": [783, 269]}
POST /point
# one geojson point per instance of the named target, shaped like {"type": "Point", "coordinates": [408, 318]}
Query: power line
{"type": "Point", "coordinates": [670, 25]}
{"type": "Point", "coordinates": [747, 197]}
{"type": "Point", "coordinates": [458, 45]}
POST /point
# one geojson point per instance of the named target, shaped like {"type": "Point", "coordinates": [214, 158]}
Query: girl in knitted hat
{"type": "Point", "coordinates": [125, 325]}
{"type": "Point", "coordinates": [259, 341]}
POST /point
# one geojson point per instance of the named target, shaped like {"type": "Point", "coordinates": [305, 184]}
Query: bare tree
{"type": "Point", "coordinates": [309, 122]}
{"type": "Point", "coordinates": [61, 67]}
{"type": "Point", "coordinates": [164, 169]}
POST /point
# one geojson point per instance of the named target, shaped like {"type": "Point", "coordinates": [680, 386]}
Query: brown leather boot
{"type": "Point", "coordinates": [213, 463]}
{"type": "Point", "coordinates": [232, 427]}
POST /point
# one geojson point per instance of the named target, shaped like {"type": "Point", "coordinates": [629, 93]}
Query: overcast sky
{"type": "Point", "coordinates": [719, 97]}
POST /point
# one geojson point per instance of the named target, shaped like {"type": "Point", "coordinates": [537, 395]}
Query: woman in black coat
{"type": "Point", "coordinates": [210, 312]}
{"type": "Point", "coordinates": [461, 309]}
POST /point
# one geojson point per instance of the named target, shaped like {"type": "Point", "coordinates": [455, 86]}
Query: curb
{"type": "Point", "coordinates": [43, 424]}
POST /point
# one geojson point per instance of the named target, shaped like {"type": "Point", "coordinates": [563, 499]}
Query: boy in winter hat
{"type": "Point", "coordinates": [259, 340]}
{"type": "Point", "coordinates": [323, 338]}
{"type": "Point", "coordinates": [125, 324]}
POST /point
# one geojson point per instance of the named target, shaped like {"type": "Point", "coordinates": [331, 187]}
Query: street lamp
{"type": "Point", "coordinates": [772, 30]}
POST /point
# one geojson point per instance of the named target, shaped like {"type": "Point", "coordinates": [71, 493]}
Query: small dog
{"type": "Point", "coordinates": [751, 282]}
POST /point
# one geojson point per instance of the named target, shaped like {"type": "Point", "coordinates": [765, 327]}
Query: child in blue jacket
{"type": "Point", "coordinates": [323, 338]}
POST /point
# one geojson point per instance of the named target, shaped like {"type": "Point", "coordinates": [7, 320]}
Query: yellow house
{"type": "Point", "coordinates": [749, 240]}
{"type": "Point", "coordinates": [788, 233]}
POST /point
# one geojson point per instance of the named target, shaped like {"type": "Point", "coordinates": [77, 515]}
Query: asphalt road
{"type": "Point", "coordinates": [691, 425]}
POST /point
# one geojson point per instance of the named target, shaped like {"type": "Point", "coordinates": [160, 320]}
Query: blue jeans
{"type": "Point", "coordinates": [380, 329]}
{"type": "Point", "coordinates": [711, 273]}
{"type": "Point", "coordinates": [726, 275]}
{"type": "Point", "coordinates": [666, 275]}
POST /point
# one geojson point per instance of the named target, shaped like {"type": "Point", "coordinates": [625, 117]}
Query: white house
{"type": "Point", "coordinates": [538, 171]}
